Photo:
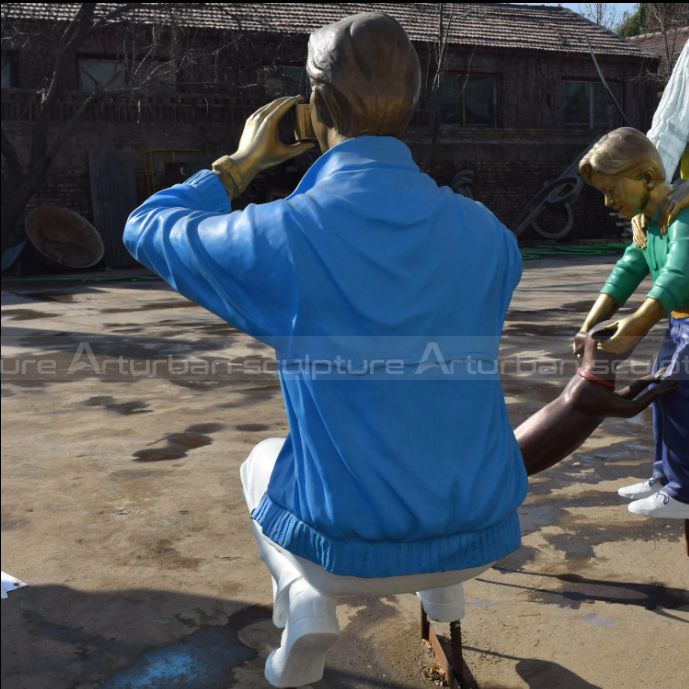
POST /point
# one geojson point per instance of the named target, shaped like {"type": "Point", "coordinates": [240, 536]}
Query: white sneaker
{"type": "Point", "coordinates": [660, 505]}
{"type": "Point", "coordinates": [311, 629]}
{"type": "Point", "coordinates": [641, 490]}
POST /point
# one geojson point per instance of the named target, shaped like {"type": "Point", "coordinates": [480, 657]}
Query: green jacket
{"type": "Point", "coordinates": [666, 257]}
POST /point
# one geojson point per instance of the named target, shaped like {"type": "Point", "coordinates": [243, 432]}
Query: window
{"type": "Point", "coordinates": [288, 80]}
{"type": "Point", "coordinates": [155, 76]}
{"type": "Point", "coordinates": [588, 105]}
{"type": "Point", "coordinates": [8, 71]}
{"type": "Point", "coordinates": [96, 72]}
{"type": "Point", "coordinates": [468, 101]}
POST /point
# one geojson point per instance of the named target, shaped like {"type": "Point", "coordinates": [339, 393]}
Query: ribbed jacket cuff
{"type": "Point", "coordinates": [385, 559]}
{"type": "Point", "coordinates": [209, 186]}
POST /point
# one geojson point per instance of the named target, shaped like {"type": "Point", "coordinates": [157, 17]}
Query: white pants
{"type": "Point", "coordinates": [441, 593]}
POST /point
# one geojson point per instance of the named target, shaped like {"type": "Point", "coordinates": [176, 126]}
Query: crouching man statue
{"type": "Point", "coordinates": [401, 472]}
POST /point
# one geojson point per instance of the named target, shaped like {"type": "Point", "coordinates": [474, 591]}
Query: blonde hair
{"type": "Point", "coordinates": [624, 152]}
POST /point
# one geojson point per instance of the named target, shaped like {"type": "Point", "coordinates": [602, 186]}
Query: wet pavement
{"type": "Point", "coordinates": [122, 510]}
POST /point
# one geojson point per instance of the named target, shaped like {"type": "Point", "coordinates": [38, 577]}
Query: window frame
{"type": "Point", "coordinates": [88, 56]}
{"type": "Point", "coordinates": [174, 84]}
{"type": "Point", "coordinates": [591, 105]}
{"type": "Point", "coordinates": [464, 81]}
{"type": "Point", "coordinates": [10, 57]}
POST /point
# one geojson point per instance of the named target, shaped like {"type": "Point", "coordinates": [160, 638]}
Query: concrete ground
{"type": "Point", "coordinates": [122, 510]}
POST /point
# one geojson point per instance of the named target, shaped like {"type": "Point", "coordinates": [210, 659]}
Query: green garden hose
{"type": "Point", "coordinates": [539, 250]}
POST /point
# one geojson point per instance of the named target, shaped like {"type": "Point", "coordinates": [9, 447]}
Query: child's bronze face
{"type": "Point", "coordinates": [628, 196]}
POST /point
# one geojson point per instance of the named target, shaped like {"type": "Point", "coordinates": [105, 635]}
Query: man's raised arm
{"type": "Point", "coordinates": [236, 264]}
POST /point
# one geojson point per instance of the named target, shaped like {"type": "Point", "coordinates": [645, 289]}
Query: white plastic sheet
{"type": "Point", "coordinates": [10, 583]}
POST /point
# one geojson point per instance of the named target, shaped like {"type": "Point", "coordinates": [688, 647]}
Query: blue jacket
{"type": "Point", "coordinates": [384, 297]}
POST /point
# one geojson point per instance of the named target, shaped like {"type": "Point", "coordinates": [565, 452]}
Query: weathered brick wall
{"type": "Point", "coordinates": [508, 169]}
{"type": "Point", "coordinates": [530, 146]}
{"type": "Point", "coordinates": [531, 84]}
{"type": "Point", "coordinates": [511, 166]}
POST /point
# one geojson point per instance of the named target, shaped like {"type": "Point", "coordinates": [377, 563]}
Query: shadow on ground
{"type": "Point", "coordinates": [60, 638]}
{"type": "Point", "coordinates": [577, 589]}
{"type": "Point", "coordinates": [543, 674]}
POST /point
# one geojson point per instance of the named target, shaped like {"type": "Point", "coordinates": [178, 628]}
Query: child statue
{"type": "Point", "coordinates": [626, 167]}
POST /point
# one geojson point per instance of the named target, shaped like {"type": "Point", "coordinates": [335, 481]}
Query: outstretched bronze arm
{"type": "Point", "coordinates": [557, 430]}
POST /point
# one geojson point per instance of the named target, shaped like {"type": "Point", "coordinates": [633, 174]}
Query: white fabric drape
{"type": "Point", "coordinates": [669, 131]}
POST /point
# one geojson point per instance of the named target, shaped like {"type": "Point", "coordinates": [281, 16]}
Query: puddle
{"type": "Point", "coordinates": [219, 329]}
{"type": "Point", "coordinates": [189, 440]}
{"type": "Point", "coordinates": [205, 660]}
{"type": "Point", "coordinates": [158, 455]}
{"type": "Point", "coordinates": [123, 408]}
{"type": "Point", "coordinates": [154, 306]}
{"type": "Point", "coordinates": [550, 330]}
{"type": "Point", "coordinates": [596, 621]}
{"type": "Point", "coordinates": [262, 391]}
{"type": "Point", "coordinates": [26, 314]}
{"type": "Point", "coordinates": [530, 314]}
{"type": "Point", "coordinates": [206, 428]}
{"type": "Point", "coordinates": [252, 427]}
{"type": "Point", "coordinates": [53, 296]}
{"type": "Point", "coordinates": [179, 444]}
{"type": "Point", "coordinates": [583, 306]}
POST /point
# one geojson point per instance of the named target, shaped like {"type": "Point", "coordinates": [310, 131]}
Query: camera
{"type": "Point", "coordinates": [303, 127]}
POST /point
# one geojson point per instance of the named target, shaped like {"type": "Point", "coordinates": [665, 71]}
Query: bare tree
{"type": "Point", "coordinates": [664, 18]}
{"type": "Point", "coordinates": [158, 49]}
{"type": "Point", "coordinates": [669, 18]}
{"type": "Point", "coordinates": [601, 13]}
{"type": "Point", "coordinates": [439, 51]}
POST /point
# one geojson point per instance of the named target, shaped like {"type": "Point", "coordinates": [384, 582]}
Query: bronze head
{"type": "Point", "coordinates": [365, 75]}
{"type": "Point", "coordinates": [627, 168]}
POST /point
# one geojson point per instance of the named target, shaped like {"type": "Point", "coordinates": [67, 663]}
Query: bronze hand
{"type": "Point", "coordinates": [639, 229]}
{"type": "Point", "coordinates": [259, 148]}
{"type": "Point", "coordinates": [604, 308]}
{"type": "Point", "coordinates": [626, 333]}
{"type": "Point", "coordinates": [672, 203]}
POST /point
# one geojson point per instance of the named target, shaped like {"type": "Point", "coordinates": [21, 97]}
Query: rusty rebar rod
{"type": "Point", "coordinates": [457, 655]}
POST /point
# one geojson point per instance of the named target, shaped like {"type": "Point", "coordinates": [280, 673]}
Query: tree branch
{"type": "Point", "coordinates": [80, 29]}
{"type": "Point", "coordinates": [69, 126]}
{"type": "Point", "coordinates": [14, 167]}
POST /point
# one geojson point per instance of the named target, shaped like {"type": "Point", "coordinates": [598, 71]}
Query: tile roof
{"type": "Point", "coordinates": [512, 26]}
{"type": "Point", "coordinates": [655, 43]}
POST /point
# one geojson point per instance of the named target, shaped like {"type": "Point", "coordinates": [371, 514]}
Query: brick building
{"type": "Point", "coordinates": [664, 45]}
{"type": "Point", "coordinates": [520, 98]}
